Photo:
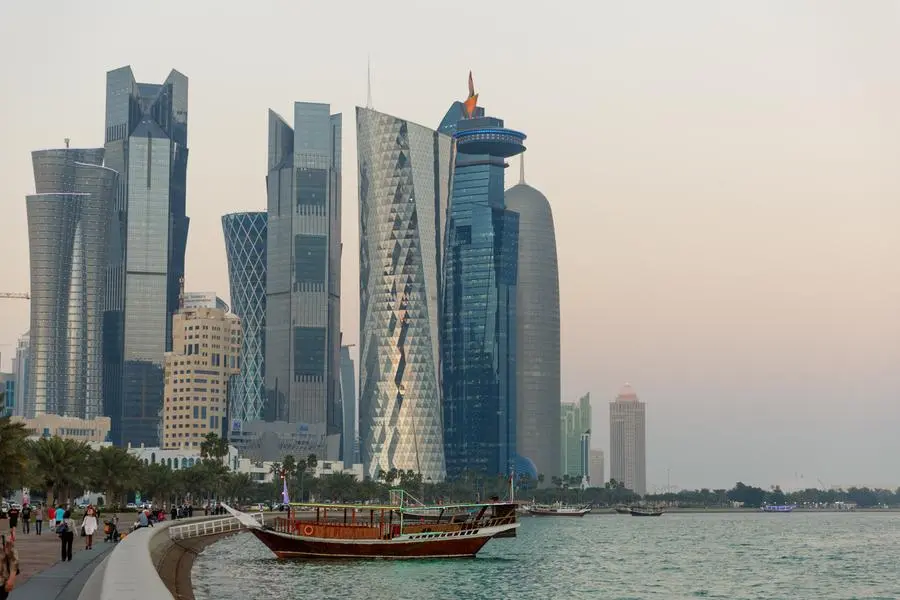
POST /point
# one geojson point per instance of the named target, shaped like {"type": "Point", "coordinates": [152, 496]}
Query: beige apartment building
{"type": "Point", "coordinates": [81, 430]}
{"type": "Point", "coordinates": [206, 345]}
{"type": "Point", "coordinates": [628, 441]}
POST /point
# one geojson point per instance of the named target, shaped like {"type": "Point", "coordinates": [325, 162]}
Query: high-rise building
{"type": "Point", "coordinates": [575, 434]}
{"type": "Point", "coordinates": [206, 344]}
{"type": "Point", "coordinates": [405, 173]}
{"type": "Point", "coordinates": [303, 276]}
{"type": "Point", "coordinates": [146, 142]}
{"type": "Point", "coordinates": [348, 404]}
{"type": "Point", "coordinates": [68, 225]}
{"type": "Point", "coordinates": [628, 441]}
{"type": "Point", "coordinates": [203, 300]}
{"type": "Point", "coordinates": [479, 296]}
{"type": "Point", "coordinates": [537, 329]}
{"type": "Point", "coordinates": [20, 369]}
{"type": "Point", "coordinates": [245, 247]}
{"type": "Point", "coordinates": [7, 394]}
{"type": "Point", "coordinates": [596, 468]}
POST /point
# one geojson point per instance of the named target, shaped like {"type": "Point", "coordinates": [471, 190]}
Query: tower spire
{"type": "Point", "coordinates": [522, 169]}
{"type": "Point", "coordinates": [369, 81]}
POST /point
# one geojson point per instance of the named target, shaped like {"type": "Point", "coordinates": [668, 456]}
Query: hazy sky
{"type": "Point", "coordinates": [724, 179]}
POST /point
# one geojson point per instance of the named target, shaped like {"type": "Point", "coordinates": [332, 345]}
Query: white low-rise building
{"type": "Point", "coordinates": [178, 458]}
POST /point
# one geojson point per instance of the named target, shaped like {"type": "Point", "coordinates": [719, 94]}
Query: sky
{"type": "Point", "coordinates": [723, 178]}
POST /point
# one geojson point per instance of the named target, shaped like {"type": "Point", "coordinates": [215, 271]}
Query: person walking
{"type": "Point", "coordinates": [88, 527]}
{"type": "Point", "coordinates": [9, 566]}
{"type": "Point", "coordinates": [38, 519]}
{"type": "Point", "coordinates": [26, 518]}
{"type": "Point", "coordinates": [51, 516]}
{"type": "Point", "coordinates": [65, 528]}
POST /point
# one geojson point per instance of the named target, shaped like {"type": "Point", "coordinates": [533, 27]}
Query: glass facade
{"type": "Point", "coordinates": [479, 301]}
{"type": "Point", "coordinates": [405, 173]}
{"type": "Point", "coordinates": [68, 224]}
{"type": "Point", "coordinates": [575, 432]}
{"type": "Point", "coordinates": [20, 368]}
{"type": "Point", "coordinates": [146, 142]}
{"type": "Point", "coordinates": [245, 247]}
{"type": "Point", "coordinates": [303, 276]}
{"type": "Point", "coordinates": [537, 331]}
{"type": "Point", "coordinates": [348, 404]}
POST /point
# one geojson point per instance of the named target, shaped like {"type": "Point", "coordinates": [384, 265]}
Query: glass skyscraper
{"type": "Point", "coordinates": [405, 173]}
{"type": "Point", "coordinates": [348, 402]}
{"type": "Point", "coordinates": [146, 142]}
{"type": "Point", "coordinates": [479, 297]}
{"type": "Point", "coordinates": [303, 275]}
{"type": "Point", "coordinates": [68, 226]}
{"type": "Point", "coordinates": [245, 247]}
{"type": "Point", "coordinates": [537, 331]}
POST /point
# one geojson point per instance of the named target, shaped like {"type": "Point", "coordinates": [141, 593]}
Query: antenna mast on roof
{"type": "Point", "coordinates": [66, 142]}
{"type": "Point", "coordinates": [369, 82]}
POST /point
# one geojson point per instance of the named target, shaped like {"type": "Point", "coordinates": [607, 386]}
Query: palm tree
{"type": "Point", "coordinates": [114, 471]}
{"type": "Point", "coordinates": [60, 465]}
{"type": "Point", "coordinates": [158, 482]}
{"type": "Point", "coordinates": [214, 447]}
{"type": "Point", "coordinates": [14, 456]}
{"type": "Point", "coordinates": [238, 487]}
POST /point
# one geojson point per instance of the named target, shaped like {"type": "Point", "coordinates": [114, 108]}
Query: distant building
{"type": "Point", "coordinates": [478, 344]}
{"type": "Point", "coordinates": [271, 441]}
{"type": "Point", "coordinates": [405, 174]}
{"type": "Point", "coordinates": [203, 300]}
{"type": "Point", "coordinates": [348, 402]}
{"type": "Point", "coordinates": [537, 330]}
{"type": "Point", "coordinates": [94, 431]}
{"type": "Point", "coordinates": [303, 273]}
{"type": "Point", "coordinates": [627, 441]}
{"type": "Point", "coordinates": [20, 370]}
{"type": "Point", "coordinates": [68, 231]}
{"type": "Point", "coordinates": [146, 143]}
{"type": "Point", "coordinates": [596, 469]}
{"type": "Point", "coordinates": [206, 344]}
{"type": "Point", "coordinates": [575, 432]}
{"type": "Point", "coordinates": [179, 458]}
{"type": "Point", "coordinates": [245, 247]}
{"type": "Point", "coordinates": [8, 394]}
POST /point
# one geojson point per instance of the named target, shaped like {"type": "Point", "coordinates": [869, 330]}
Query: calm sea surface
{"type": "Point", "coordinates": [799, 556]}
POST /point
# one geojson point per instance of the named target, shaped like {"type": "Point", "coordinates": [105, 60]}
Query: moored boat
{"type": "Point", "coordinates": [778, 508]}
{"type": "Point", "coordinates": [623, 510]}
{"type": "Point", "coordinates": [557, 510]}
{"type": "Point", "coordinates": [637, 511]}
{"type": "Point", "coordinates": [390, 531]}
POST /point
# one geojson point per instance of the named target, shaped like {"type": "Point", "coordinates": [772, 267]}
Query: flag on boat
{"type": "Point", "coordinates": [284, 493]}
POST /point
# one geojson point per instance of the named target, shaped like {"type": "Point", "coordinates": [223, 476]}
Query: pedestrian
{"type": "Point", "coordinates": [51, 516]}
{"type": "Point", "coordinates": [13, 515]}
{"type": "Point", "coordinates": [26, 518]}
{"type": "Point", "coordinates": [65, 529]}
{"type": "Point", "coordinates": [9, 566]}
{"type": "Point", "coordinates": [60, 514]}
{"type": "Point", "coordinates": [38, 519]}
{"type": "Point", "coordinates": [88, 527]}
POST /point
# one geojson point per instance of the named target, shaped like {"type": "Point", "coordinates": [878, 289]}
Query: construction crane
{"type": "Point", "coordinates": [20, 295]}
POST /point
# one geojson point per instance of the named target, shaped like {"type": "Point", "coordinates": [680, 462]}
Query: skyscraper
{"type": "Point", "coordinates": [348, 403]}
{"type": "Point", "coordinates": [146, 142]}
{"type": "Point", "coordinates": [245, 247]}
{"type": "Point", "coordinates": [537, 329]}
{"type": "Point", "coordinates": [596, 469]}
{"type": "Point", "coordinates": [303, 276]}
{"type": "Point", "coordinates": [575, 433]}
{"type": "Point", "coordinates": [627, 441]}
{"type": "Point", "coordinates": [479, 296]}
{"type": "Point", "coordinates": [405, 173]}
{"type": "Point", "coordinates": [68, 225]}
{"type": "Point", "coordinates": [22, 360]}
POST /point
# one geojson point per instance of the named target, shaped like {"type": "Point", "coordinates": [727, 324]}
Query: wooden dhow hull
{"type": "Point", "coordinates": [465, 544]}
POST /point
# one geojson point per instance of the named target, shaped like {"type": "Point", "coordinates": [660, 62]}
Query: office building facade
{"type": "Point", "coordinates": [146, 143]}
{"type": "Point", "coordinates": [348, 404]}
{"type": "Point", "coordinates": [202, 300]}
{"type": "Point", "coordinates": [245, 248]}
{"type": "Point", "coordinates": [405, 174]}
{"type": "Point", "coordinates": [575, 433]}
{"type": "Point", "coordinates": [303, 275]}
{"type": "Point", "coordinates": [479, 297]}
{"type": "Point", "coordinates": [628, 440]}
{"type": "Point", "coordinates": [206, 344]}
{"type": "Point", "coordinates": [597, 468]}
{"type": "Point", "coordinates": [7, 394]}
{"type": "Point", "coordinates": [538, 377]}
{"type": "Point", "coordinates": [20, 369]}
{"type": "Point", "coordinates": [68, 226]}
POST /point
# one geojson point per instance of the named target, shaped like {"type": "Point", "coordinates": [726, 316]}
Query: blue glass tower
{"type": "Point", "coordinates": [479, 297]}
{"type": "Point", "coordinates": [245, 247]}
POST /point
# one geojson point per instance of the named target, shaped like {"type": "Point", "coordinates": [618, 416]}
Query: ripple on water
{"type": "Point", "coordinates": [736, 556]}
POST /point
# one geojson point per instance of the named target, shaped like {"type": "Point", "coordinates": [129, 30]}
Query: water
{"type": "Point", "coordinates": [799, 556]}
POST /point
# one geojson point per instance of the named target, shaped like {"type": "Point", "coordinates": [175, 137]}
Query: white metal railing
{"type": "Point", "coordinates": [211, 527]}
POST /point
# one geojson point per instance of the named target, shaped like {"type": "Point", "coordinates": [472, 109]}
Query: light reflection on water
{"type": "Point", "coordinates": [799, 556]}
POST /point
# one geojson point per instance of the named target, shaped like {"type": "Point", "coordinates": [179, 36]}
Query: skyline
{"type": "Point", "coordinates": [680, 162]}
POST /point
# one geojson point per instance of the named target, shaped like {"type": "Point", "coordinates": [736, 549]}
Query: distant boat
{"type": "Point", "coordinates": [637, 511]}
{"type": "Point", "coordinates": [557, 510]}
{"type": "Point", "coordinates": [778, 508]}
{"type": "Point", "coordinates": [623, 510]}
